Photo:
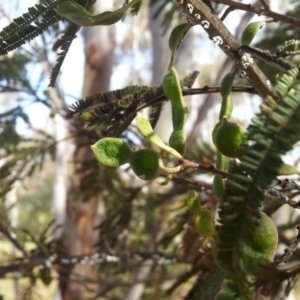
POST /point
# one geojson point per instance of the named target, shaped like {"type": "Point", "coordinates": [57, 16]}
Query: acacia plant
{"type": "Point", "coordinates": [228, 238]}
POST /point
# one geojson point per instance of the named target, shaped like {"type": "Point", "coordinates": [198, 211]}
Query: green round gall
{"type": "Point", "coordinates": [112, 152]}
{"type": "Point", "coordinates": [145, 164]}
{"type": "Point", "coordinates": [229, 138]}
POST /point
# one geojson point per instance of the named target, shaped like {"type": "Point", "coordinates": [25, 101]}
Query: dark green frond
{"type": "Point", "coordinates": [13, 69]}
{"type": "Point", "coordinates": [290, 47]}
{"type": "Point", "coordinates": [273, 133]}
{"type": "Point", "coordinates": [170, 11]}
{"type": "Point", "coordinates": [116, 109]}
{"type": "Point", "coordinates": [155, 113]}
{"type": "Point", "coordinates": [189, 80]}
{"type": "Point", "coordinates": [65, 44]}
{"type": "Point", "coordinates": [67, 40]}
{"type": "Point", "coordinates": [21, 30]}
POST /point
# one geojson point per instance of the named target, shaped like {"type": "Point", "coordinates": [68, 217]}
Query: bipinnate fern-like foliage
{"type": "Point", "coordinates": [273, 132]}
{"type": "Point", "coordinates": [28, 26]}
{"type": "Point", "coordinates": [115, 110]}
{"type": "Point", "coordinates": [37, 20]}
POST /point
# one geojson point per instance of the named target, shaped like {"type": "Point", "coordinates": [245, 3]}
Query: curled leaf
{"type": "Point", "coordinates": [146, 129]}
{"type": "Point", "coordinates": [176, 37]}
{"type": "Point", "coordinates": [80, 16]}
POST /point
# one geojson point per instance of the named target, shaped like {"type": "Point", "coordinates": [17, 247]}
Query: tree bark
{"type": "Point", "coordinates": [83, 211]}
{"type": "Point", "coordinates": [160, 60]}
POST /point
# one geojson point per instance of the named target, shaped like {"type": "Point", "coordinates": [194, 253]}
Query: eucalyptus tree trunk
{"type": "Point", "coordinates": [160, 57]}
{"type": "Point", "coordinates": [82, 210]}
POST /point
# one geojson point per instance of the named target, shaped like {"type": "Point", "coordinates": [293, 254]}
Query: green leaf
{"type": "Point", "coordinates": [145, 164]}
{"type": "Point", "coordinates": [80, 16]}
{"type": "Point", "coordinates": [225, 89]}
{"type": "Point", "coordinates": [193, 201]}
{"type": "Point", "coordinates": [112, 152]}
{"type": "Point", "coordinates": [250, 31]}
{"type": "Point", "coordinates": [287, 170]}
{"type": "Point", "coordinates": [176, 37]}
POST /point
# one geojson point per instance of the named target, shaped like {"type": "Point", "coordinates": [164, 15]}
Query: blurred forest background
{"type": "Point", "coordinates": [57, 201]}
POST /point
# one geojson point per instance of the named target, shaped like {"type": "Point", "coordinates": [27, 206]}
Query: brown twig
{"type": "Point", "coordinates": [226, 13]}
{"type": "Point", "coordinates": [260, 11]}
{"type": "Point", "coordinates": [189, 164]}
{"type": "Point", "coordinates": [12, 238]}
{"type": "Point", "coordinates": [216, 89]}
{"type": "Point", "coordinates": [196, 185]}
{"type": "Point", "coordinates": [264, 4]}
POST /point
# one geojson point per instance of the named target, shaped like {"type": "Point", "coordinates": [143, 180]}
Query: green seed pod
{"type": "Point", "coordinates": [177, 141]}
{"type": "Point", "coordinates": [204, 223]}
{"type": "Point", "coordinates": [112, 152]}
{"type": "Point", "coordinates": [172, 90]}
{"type": "Point", "coordinates": [147, 130]}
{"type": "Point", "coordinates": [229, 139]}
{"type": "Point", "coordinates": [145, 164]}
